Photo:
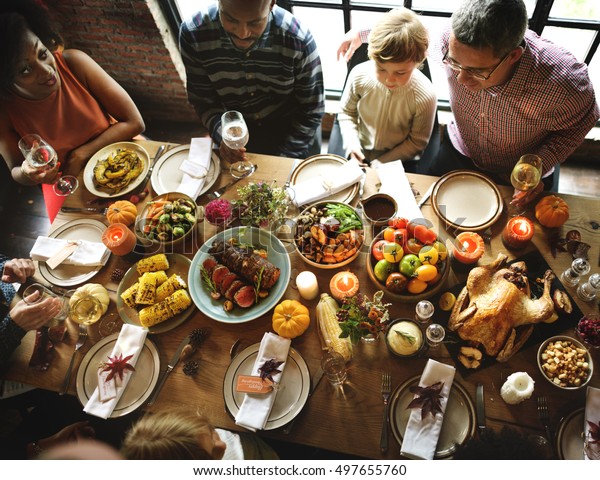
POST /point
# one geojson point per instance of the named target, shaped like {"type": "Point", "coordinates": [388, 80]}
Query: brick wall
{"type": "Point", "coordinates": [132, 41]}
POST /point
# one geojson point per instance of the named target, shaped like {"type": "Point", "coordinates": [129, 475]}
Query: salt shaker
{"type": "Point", "coordinates": [570, 277]}
{"type": "Point", "coordinates": [423, 311]}
{"type": "Point", "coordinates": [587, 291]}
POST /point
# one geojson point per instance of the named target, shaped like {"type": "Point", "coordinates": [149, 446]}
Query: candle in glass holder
{"type": "Point", "coordinates": [468, 247]}
{"type": "Point", "coordinates": [518, 232]}
{"type": "Point", "coordinates": [343, 284]}
{"type": "Point", "coordinates": [119, 239]}
{"type": "Point", "coordinates": [307, 284]}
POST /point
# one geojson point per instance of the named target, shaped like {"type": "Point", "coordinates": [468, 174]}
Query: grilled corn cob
{"type": "Point", "coordinates": [153, 263]}
{"type": "Point", "coordinates": [175, 282]}
{"type": "Point", "coordinates": [129, 295]}
{"type": "Point", "coordinates": [161, 277]}
{"type": "Point", "coordinates": [146, 290]}
{"type": "Point", "coordinates": [330, 328]}
{"type": "Point", "coordinates": [159, 312]}
{"type": "Point", "coordinates": [178, 302]}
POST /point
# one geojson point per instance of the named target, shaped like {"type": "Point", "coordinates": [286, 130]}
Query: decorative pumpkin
{"type": "Point", "coordinates": [95, 290]}
{"type": "Point", "coordinates": [122, 211]}
{"type": "Point", "coordinates": [290, 319]}
{"type": "Point", "coordinates": [552, 211]}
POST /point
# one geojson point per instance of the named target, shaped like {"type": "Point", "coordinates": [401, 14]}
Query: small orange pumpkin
{"type": "Point", "coordinates": [290, 319]}
{"type": "Point", "coordinates": [552, 211]}
{"type": "Point", "coordinates": [122, 211]}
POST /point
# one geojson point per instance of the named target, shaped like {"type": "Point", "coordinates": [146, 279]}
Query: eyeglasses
{"type": "Point", "coordinates": [476, 73]}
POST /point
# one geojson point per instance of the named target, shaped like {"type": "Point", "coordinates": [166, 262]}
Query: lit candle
{"type": "Point", "coordinates": [343, 284]}
{"type": "Point", "coordinates": [468, 247]}
{"type": "Point", "coordinates": [518, 232]}
{"type": "Point", "coordinates": [307, 285]}
{"type": "Point", "coordinates": [119, 239]}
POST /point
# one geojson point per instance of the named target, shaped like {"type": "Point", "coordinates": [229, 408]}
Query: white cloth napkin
{"type": "Point", "coordinates": [196, 167]}
{"type": "Point", "coordinates": [130, 342]}
{"type": "Point", "coordinates": [256, 408]}
{"type": "Point", "coordinates": [421, 436]}
{"type": "Point", "coordinates": [395, 183]}
{"type": "Point", "coordinates": [329, 182]}
{"type": "Point", "coordinates": [88, 254]}
{"type": "Point", "coordinates": [592, 409]}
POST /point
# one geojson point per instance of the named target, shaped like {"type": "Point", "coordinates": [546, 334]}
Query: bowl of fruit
{"type": "Point", "coordinates": [408, 261]}
{"type": "Point", "coordinates": [328, 234]}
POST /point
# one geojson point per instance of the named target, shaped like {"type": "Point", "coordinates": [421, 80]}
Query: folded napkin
{"type": "Point", "coordinates": [88, 254]}
{"type": "Point", "coordinates": [395, 183]}
{"type": "Point", "coordinates": [256, 408]}
{"type": "Point", "coordinates": [196, 167]}
{"type": "Point", "coordinates": [327, 183]}
{"type": "Point", "coordinates": [421, 436]}
{"type": "Point", "coordinates": [592, 410]}
{"type": "Point", "coordinates": [130, 342]}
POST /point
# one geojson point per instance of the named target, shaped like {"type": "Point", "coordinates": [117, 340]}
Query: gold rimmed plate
{"type": "Point", "coordinates": [569, 436]}
{"type": "Point", "coordinates": [466, 200]}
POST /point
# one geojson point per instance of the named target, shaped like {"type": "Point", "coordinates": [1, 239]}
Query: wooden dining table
{"type": "Point", "coordinates": [347, 420]}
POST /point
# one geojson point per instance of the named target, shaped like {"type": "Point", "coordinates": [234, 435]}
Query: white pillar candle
{"type": "Point", "coordinates": [518, 387]}
{"type": "Point", "coordinates": [307, 285]}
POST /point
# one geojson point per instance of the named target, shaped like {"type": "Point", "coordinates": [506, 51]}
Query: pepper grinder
{"type": "Point", "coordinates": [570, 277]}
{"type": "Point", "coordinates": [587, 291]}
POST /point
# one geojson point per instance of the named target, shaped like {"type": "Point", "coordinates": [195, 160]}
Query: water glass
{"type": "Point", "coordinates": [334, 368]}
{"type": "Point", "coordinates": [435, 334]}
{"type": "Point", "coordinates": [39, 292]}
{"type": "Point", "coordinates": [424, 311]}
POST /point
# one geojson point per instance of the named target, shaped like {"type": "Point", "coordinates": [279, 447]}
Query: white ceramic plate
{"type": "Point", "coordinates": [178, 264]}
{"type": "Point", "coordinates": [88, 172]}
{"type": "Point", "coordinates": [166, 175]}
{"type": "Point", "coordinates": [467, 200]}
{"type": "Point", "coordinates": [323, 165]}
{"type": "Point", "coordinates": [569, 441]}
{"type": "Point", "coordinates": [140, 384]}
{"type": "Point", "coordinates": [276, 254]}
{"type": "Point", "coordinates": [292, 393]}
{"type": "Point", "coordinates": [459, 418]}
{"type": "Point", "coordinates": [68, 275]}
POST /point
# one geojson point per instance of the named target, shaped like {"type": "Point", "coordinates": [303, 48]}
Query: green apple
{"type": "Point", "coordinates": [383, 268]}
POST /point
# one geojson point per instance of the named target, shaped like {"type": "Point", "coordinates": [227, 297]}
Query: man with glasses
{"type": "Point", "coordinates": [256, 58]}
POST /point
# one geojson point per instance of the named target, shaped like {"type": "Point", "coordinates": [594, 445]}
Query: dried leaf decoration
{"type": "Point", "coordinates": [427, 399]}
{"type": "Point", "coordinates": [594, 432]}
{"type": "Point", "coordinates": [116, 366]}
{"type": "Point", "coordinates": [268, 368]}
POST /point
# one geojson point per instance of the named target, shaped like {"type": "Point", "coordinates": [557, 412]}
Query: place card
{"type": "Point", "coordinates": [250, 384]}
{"type": "Point", "coordinates": [107, 390]}
{"type": "Point", "coordinates": [61, 255]}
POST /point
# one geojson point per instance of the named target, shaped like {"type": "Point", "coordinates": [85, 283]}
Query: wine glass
{"type": "Point", "coordinates": [87, 310]}
{"type": "Point", "coordinates": [234, 132]}
{"type": "Point", "coordinates": [525, 176]}
{"type": "Point", "coordinates": [40, 155]}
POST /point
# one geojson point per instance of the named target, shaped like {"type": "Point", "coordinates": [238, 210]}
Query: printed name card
{"type": "Point", "coordinates": [61, 255]}
{"type": "Point", "coordinates": [250, 384]}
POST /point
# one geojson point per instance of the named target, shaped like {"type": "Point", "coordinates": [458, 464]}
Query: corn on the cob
{"type": "Point", "coordinates": [153, 263]}
{"type": "Point", "coordinates": [161, 277]}
{"type": "Point", "coordinates": [129, 295]}
{"type": "Point", "coordinates": [159, 312]}
{"type": "Point", "coordinates": [330, 328]}
{"type": "Point", "coordinates": [178, 302]}
{"type": "Point", "coordinates": [146, 290]}
{"type": "Point", "coordinates": [175, 282]}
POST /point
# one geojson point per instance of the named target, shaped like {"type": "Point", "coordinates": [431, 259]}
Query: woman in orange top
{"type": "Point", "coordinates": [63, 96]}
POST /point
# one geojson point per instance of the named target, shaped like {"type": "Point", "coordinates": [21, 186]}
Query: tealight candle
{"type": "Point", "coordinates": [307, 284]}
{"type": "Point", "coordinates": [468, 247]}
{"type": "Point", "coordinates": [119, 239]}
{"type": "Point", "coordinates": [343, 284]}
{"type": "Point", "coordinates": [518, 232]}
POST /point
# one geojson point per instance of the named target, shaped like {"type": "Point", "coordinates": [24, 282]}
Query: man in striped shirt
{"type": "Point", "coordinates": [256, 58]}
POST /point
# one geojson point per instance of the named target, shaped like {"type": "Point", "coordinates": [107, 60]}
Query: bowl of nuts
{"type": "Point", "coordinates": [565, 362]}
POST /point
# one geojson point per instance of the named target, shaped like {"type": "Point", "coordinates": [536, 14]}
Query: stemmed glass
{"type": "Point", "coordinates": [525, 176]}
{"type": "Point", "coordinates": [234, 132]}
{"type": "Point", "coordinates": [41, 156]}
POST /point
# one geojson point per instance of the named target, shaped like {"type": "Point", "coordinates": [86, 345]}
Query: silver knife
{"type": "Point", "coordinates": [294, 165]}
{"type": "Point", "coordinates": [217, 193]}
{"type": "Point", "coordinates": [83, 209]}
{"type": "Point", "coordinates": [313, 384]}
{"type": "Point", "coordinates": [425, 197]}
{"type": "Point", "coordinates": [170, 366]}
{"type": "Point", "coordinates": [480, 408]}
{"type": "Point", "coordinates": [156, 157]}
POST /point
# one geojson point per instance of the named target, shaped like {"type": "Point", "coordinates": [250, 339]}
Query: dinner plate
{"type": "Point", "coordinates": [276, 254]}
{"type": "Point", "coordinates": [140, 384]}
{"type": "Point", "coordinates": [68, 275]}
{"type": "Point", "coordinates": [293, 388]}
{"type": "Point", "coordinates": [166, 176]}
{"type": "Point", "coordinates": [323, 165]}
{"type": "Point", "coordinates": [569, 440]}
{"type": "Point", "coordinates": [459, 417]}
{"type": "Point", "coordinates": [88, 172]}
{"type": "Point", "coordinates": [466, 200]}
{"type": "Point", "coordinates": [178, 264]}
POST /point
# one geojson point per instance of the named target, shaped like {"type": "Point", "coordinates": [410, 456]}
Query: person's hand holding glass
{"type": "Point", "coordinates": [41, 165]}
{"type": "Point", "coordinates": [525, 178]}
{"type": "Point", "coordinates": [234, 133]}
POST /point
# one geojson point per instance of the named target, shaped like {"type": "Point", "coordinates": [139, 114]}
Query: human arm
{"type": "Point", "coordinates": [353, 39]}
{"type": "Point", "coordinates": [17, 270]}
{"type": "Point", "coordinates": [348, 118]}
{"type": "Point", "coordinates": [113, 99]}
{"type": "Point", "coordinates": [70, 434]}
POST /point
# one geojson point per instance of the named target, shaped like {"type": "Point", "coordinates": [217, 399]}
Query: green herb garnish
{"type": "Point", "coordinates": [407, 336]}
{"type": "Point", "coordinates": [208, 281]}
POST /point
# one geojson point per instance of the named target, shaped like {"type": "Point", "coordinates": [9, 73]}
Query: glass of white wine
{"type": "Point", "coordinates": [234, 132]}
{"type": "Point", "coordinates": [87, 310]}
{"type": "Point", "coordinates": [525, 177]}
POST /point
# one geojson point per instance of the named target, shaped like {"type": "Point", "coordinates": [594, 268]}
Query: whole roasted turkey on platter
{"type": "Point", "coordinates": [495, 311]}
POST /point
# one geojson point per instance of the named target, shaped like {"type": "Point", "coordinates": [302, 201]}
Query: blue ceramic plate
{"type": "Point", "coordinates": [276, 254]}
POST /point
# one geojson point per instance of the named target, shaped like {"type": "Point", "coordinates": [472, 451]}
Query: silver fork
{"type": "Point", "coordinates": [83, 334]}
{"type": "Point", "coordinates": [386, 390]}
{"type": "Point", "coordinates": [544, 416]}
